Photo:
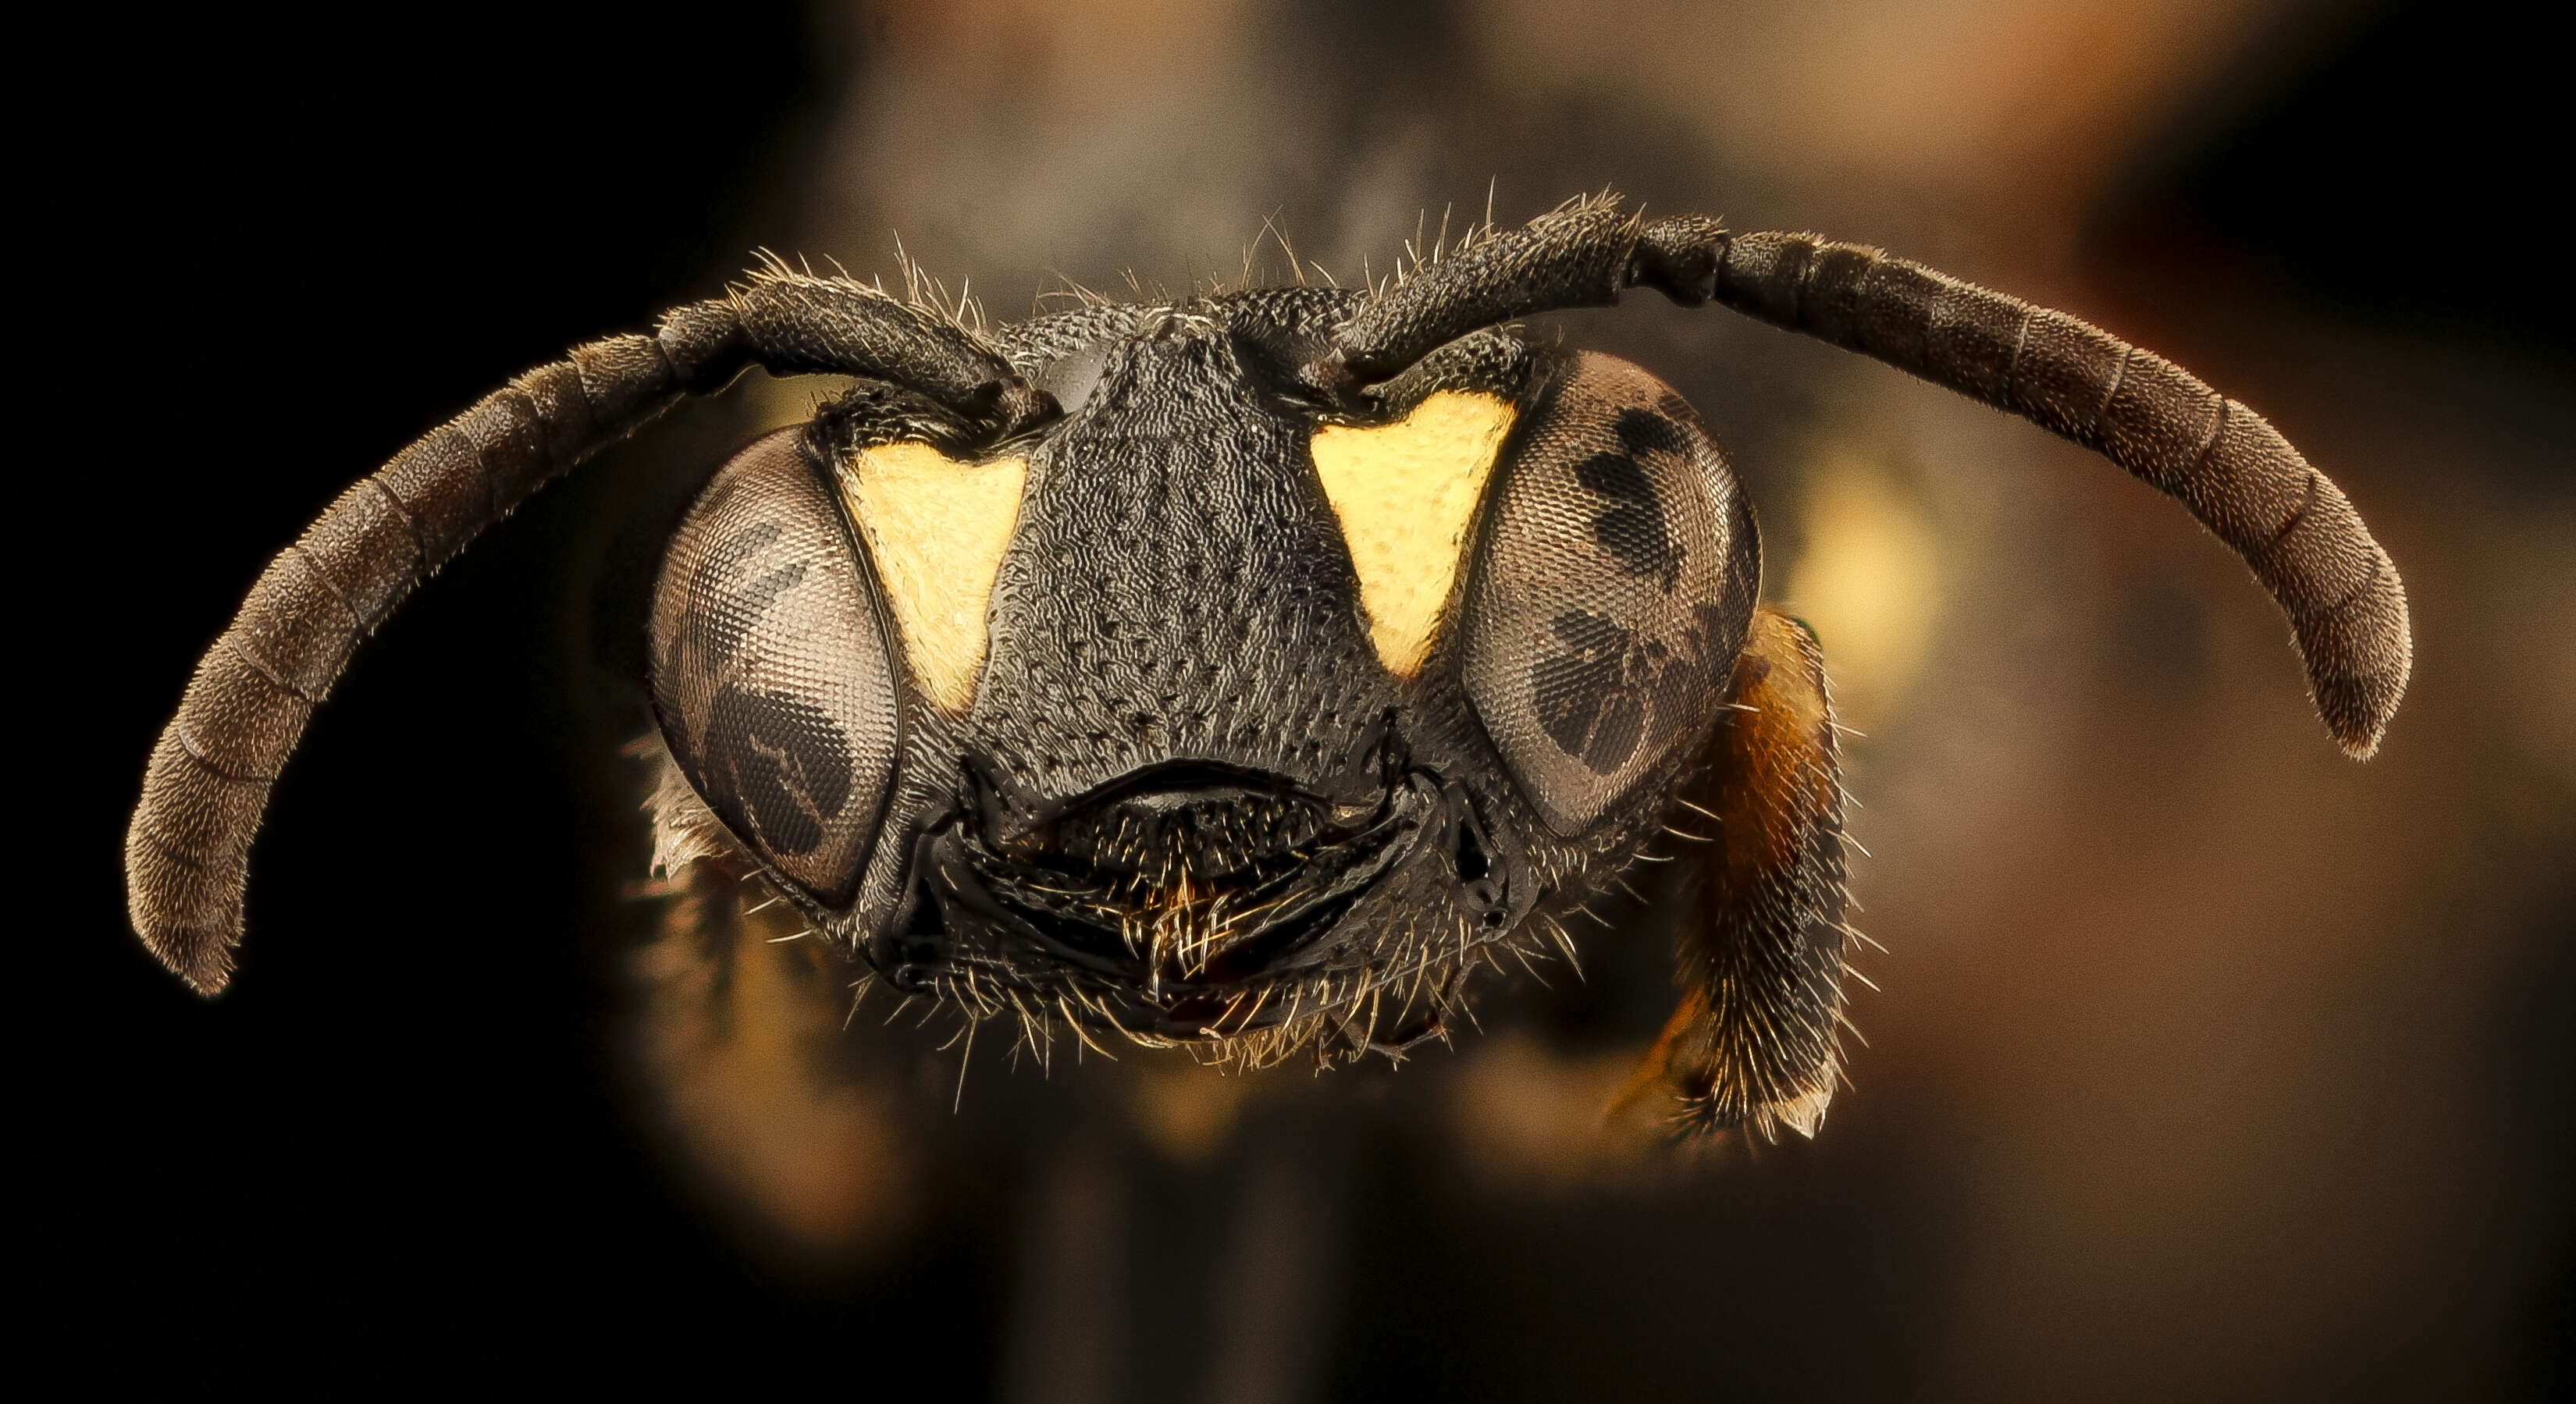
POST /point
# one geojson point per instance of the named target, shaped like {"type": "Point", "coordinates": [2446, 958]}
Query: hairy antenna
{"type": "Point", "coordinates": [207, 785]}
{"type": "Point", "coordinates": [2221, 460]}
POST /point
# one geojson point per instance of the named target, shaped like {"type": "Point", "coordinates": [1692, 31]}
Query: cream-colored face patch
{"type": "Point", "coordinates": [1406, 495]}
{"type": "Point", "coordinates": [937, 528]}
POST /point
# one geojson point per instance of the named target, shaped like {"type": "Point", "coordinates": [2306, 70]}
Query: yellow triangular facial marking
{"type": "Point", "coordinates": [1406, 495]}
{"type": "Point", "coordinates": [937, 528]}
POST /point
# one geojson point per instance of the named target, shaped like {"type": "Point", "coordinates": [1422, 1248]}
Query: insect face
{"type": "Point", "coordinates": [1242, 673]}
{"type": "Point", "coordinates": [1217, 710]}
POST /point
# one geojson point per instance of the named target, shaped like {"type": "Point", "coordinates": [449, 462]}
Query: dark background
{"type": "Point", "coordinates": [268, 249]}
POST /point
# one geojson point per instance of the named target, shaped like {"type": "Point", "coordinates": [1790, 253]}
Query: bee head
{"type": "Point", "coordinates": [1230, 705]}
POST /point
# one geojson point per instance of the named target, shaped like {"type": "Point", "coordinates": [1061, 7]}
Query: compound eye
{"type": "Point", "coordinates": [1612, 590]}
{"type": "Point", "coordinates": [771, 675]}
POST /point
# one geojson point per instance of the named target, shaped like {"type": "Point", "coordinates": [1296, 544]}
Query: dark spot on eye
{"type": "Point", "coordinates": [723, 612]}
{"type": "Point", "coordinates": [1642, 432]}
{"type": "Point", "coordinates": [1632, 528]}
{"type": "Point", "coordinates": [727, 556]}
{"type": "Point", "coordinates": [1582, 693]}
{"type": "Point", "coordinates": [786, 826]}
{"type": "Point", "coordinates": [713, 635]}
{"type": "Point", "coordinates": [780, 762]}
{"type": "Point", "coordinates": [759, 595]}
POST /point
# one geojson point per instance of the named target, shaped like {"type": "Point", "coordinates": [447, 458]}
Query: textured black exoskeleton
{"type": "Point", "coordinates": [1241, 672]}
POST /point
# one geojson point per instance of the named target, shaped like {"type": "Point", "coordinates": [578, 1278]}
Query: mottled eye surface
{"type": "Point", "coordinates": [771, 675]}
{"type": "Point", "coordinates": [1616, 576]}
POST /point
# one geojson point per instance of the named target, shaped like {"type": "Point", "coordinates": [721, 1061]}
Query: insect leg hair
{"type": "Point", "coordinates": [207, 783]}
{"type": "Point", "coordinates": [1753, 1042]}
{"type": "Point", "coordinates": [2233, 470]}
